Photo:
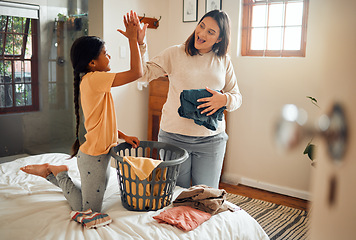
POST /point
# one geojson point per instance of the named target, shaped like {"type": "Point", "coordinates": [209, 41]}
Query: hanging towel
{"type": "Point", "coordinates": [183, 217]}
{"type": "Point", "coordinates": [188, 108]}
{"type": "Point", "coordinates": [90, 219]}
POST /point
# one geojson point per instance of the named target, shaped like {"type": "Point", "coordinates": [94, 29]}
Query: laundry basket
{"type": "Point", "coordinates": [154, 192]}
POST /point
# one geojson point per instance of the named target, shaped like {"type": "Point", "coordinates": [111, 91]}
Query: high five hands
{"type": "Point", "coordinates": [133, 27]}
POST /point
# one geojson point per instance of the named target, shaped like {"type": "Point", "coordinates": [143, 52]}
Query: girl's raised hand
{"type": "Point", "coordinates": [131, 23]}
{"type": "Point", "coordinates": [141, 29]}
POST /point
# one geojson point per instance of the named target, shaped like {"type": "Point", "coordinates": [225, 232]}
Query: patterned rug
{"type": "Point", "coordinates": [279, 222]}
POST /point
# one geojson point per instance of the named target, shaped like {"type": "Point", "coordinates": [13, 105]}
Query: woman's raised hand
{"type": "Point", "coordinates": [141, 33]}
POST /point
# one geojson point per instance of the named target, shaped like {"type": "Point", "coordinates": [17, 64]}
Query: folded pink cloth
{"type": "Point", "coordinates": [183, 217]}
{"type": "Point", "coordinates": [90, 219]}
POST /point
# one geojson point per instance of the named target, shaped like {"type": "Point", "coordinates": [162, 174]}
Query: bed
{"type": "Point", "coordinates": [32, 208]}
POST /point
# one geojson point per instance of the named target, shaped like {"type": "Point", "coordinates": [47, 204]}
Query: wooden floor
{"type": "Point", "coordinates": [265, 195]}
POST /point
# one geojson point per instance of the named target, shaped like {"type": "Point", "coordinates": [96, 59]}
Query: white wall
{"type": "Point", "coordinates": [266, 85]}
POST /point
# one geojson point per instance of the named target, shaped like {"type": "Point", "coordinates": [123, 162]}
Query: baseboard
{"type": "Point", "coordinates": [235, 180]}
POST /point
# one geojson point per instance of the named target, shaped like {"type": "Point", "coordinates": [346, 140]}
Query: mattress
{"type": "Point", "coordinates": [33, 208]}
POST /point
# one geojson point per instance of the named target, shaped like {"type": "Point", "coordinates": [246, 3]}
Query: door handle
{"type": "Point", "coordinates": [291, 129]}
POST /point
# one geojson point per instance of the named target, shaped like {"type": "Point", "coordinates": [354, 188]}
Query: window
{"type": "Point", "coordinates": [275, 28]}
{"type": "Point", "coordinates": [18, 61]}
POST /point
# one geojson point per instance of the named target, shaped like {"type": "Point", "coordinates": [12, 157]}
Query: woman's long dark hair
{"type": "Point", "coordinates": [82, 52]}
{"type": "Point", "coordinates": [220, 48]}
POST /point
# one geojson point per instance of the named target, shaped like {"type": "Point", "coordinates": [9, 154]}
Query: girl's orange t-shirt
{"type": "Point", "coordinates": [99, 113]}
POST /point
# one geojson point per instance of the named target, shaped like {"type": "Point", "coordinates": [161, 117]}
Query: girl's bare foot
{"type": "Point", "coordinates": [57, 169]}
{"type": "Point", "coordinates": [37, 169]}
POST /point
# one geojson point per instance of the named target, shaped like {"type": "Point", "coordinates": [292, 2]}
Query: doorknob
{"type": "Point", "coordinates": [332, 127]}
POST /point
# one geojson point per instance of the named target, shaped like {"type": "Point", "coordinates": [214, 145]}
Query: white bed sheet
{"type": "Point", "coordinates": [32, 208]}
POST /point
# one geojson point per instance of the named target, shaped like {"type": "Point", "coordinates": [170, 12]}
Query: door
{"type": "Point", "coordinates": [333, 186]}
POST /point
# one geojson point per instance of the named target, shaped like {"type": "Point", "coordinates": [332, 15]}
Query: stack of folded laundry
{"type": "Point", "coordinates": [90, 219]}
{"type": "Point", "coordinates": [194, 206]}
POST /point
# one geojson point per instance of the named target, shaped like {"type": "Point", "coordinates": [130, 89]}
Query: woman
{"type": "Point", "coordinates": [200, 63]}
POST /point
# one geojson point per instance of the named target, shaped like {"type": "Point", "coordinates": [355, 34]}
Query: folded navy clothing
{"type": "Point", "coordinates": [188, 108]}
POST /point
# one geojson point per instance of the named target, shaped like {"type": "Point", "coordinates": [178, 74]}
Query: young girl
{"type": "Point", "coordinates": [93, 82]}
{"type": "Point", "coordinates": [200, 63]}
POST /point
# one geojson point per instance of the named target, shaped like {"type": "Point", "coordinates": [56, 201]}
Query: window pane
{"type": "Point", "coordinates": [275, 15]}
{"type": "Point", "coordinates": [2, 95]}
{"type": "Point", "coordinates": [19, 68]}
{"type": "Point", "coordinates": [18, 24]}
{"type": "Point", "coordinates": [2, 71]}
{"type": "Point", "coordinates": [9, 24]}
{"type": "Point", "coordinates": [8, 95]}
{"type": "Point", "coordinates": [294, 14]}
{"type": "Point", "coordinates": [19, 88]}
{"type": "Point", "coordinates": [258, 39]}
{"type": "Point", "coordinates": [274, 41]}
{"type": "Point", "coordinates": [18, 40]}
{"type": "Point", "coordinates": [28, 95]}
{"type": "Point", "coordinates": [2, 23]}
{"type": "Point", "coordinates": [27, 71]}
{"type": "Point", "coordinates": [9, 50]}
{"type": "Point", "coordinates": [259, 16]}
{"type": "Point", "coordinates": [19, 94]}
{"type": "Point", "coordinates": [292, 39]}
{"type": "Point", "coordinates": [30, 26]}
{"type": "Point", "coordinates": [7, 72]}
{"type": "Point", "coordinates": [1, 43]}
{"type": "Point", "coordinates": [28, 52]}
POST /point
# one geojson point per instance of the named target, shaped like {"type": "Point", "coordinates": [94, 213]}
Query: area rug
{"type": "Point", "coordinates": [279, 222]}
